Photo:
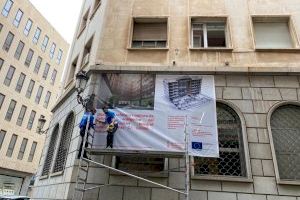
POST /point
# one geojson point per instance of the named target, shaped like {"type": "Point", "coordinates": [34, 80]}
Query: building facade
{"type": "Point", "coordinates": [32, 58]}
{"type": "Point", "coordinates": [251, 47]}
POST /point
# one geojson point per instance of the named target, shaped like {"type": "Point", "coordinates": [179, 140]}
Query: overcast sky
{"type": "Point", "coordinates": [62, 14]}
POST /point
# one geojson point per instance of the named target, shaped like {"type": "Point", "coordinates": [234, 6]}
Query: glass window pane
{"type": "Point", "coordinates": [29, 57]}
{"type": "Point", "coordinates": [47, 99]}
{"type": "Point", "coordinates": [20, 82]}
{"type": "Point", "coordinates": [59, 56]}
{"type": "Point", "coordinates": [216, 35]}
{"type": "Point", "coordinates": [8, 41]}
{"type": "Point", "coordinates": [46, 71]}
{"type": "Point", "coordinates": [22, 148]}
{"type": "Point", "coordinates": [36, 36]}
{"type": "Point", "coordinates": [39, 94]}
{"type": "Point", "coordinates": [285, 125]}
{"type": "Point", "coordinates": [2, 97]}
{"type": "Point", "coordinates": [27, 27]}
{"type": "Point", "coordinates": [231, 161]}
{"type": "Point", "coordinates": [53, 76]}
{"type": "Point", "coordinates": [1, 63]}
{"type": "Point", "coordinates": [18, 18]}
{"type": "Point", "coordinates": [19, 50]}
{"type": "Point", "coordinates": [21, 115]}
{"type": "Point", "coordinates": [31, 120]}
{"type": "Point", "coordinates": [38, 65]}
{"type": "Point", "coordinates": [30, 88]}
{"type": "Point", "coordinates": [2, 137]}
{"type": "Point", "coordinates": [9, 75]}
{"type": "Point", "coordinates": [45, 43]}
{"type": "Point", "coordinates": [7, 7]}
{"type": "Point", "coordinates": [52, 50]}
{"type": "Point", "coordinates": [11, 145]}
{"type": "Point", "coordinates": [10, 110]}
{"type": "Point", "coordinates": [32, 151]}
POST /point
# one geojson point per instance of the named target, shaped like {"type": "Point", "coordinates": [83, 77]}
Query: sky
{"type": "Point", "coordinates": [62, 15]}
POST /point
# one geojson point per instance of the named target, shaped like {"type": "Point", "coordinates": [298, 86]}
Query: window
{"type": "Point", "coordinates": [72, 70]}
{"type": "Point", "coordinates": [272, 33]}
{"type": "Point", "coordinates": [8, 41]}
{"type": "Point", "coordinates": [1, 63]}
{"type": "Point", "coordinates": [52, 50]}
{"type": "Point", "coordinates": [59, 56]}
{"type": "Point", "coordinates": [39, 94]}
{"type": "Point", "coordinates": [32, 152]}
{"type": "Point", "coordinates": [18, 18]}
{"type": "Point", "coordinates": [84, 21]}
{"type": "Point", "coordinates": [11, 145]}
{"type": "Point", "coordinates": [140, 164]}
{"type": "Point", "coordinates": [2, 97]}
{"type": "Point", "coordinates": [30, 89]}
{"type": "Point", "coordinates": [64, 144]}
{"type": "Point", "coordinates": [20, 82]}
{"type": "Point", "coordinates": [45, 43]}
{"type": "Point", "coordinates": [29, 57]}
{"type": "Point", "coordinates": [36, 36]}
{"type": "Point", "coordinates": [285, 126]}
{"type": "Point", "coordinates": [207, 33]}
{"type": "Point", "coordinates": [50, 153]}
{"type": "Point", "coordinates": [7, 7]}
{"type": "Point", "coordinates": [1, 26]}
{"type": "Point", "coordinates": [150, 33]}
{"type": "Point", "coordinates": [27, 27]}
{"type": "Point", "coordinates": [10, 110]}
{"type": "Point", "coordinates": [97, 3]}
{"type": "Point", "coordinates": [53, 76]}
{"type": "Point", "coordinates": [86, 52]}
{"type": "Point", "coordinates": [37, 65]}
{"type": "Point", "coordinates": [22, 148]}
{"type": "Point", "coordinates": [231, 161]}
{"type": "Point", "coordinates": [46, 71]}
{"type": "Point", "coordinates": [19, 50]}
{"type": "Point", "coordinates": [9, 75]}
{"type": "Point", "coordinates": [31, 119]}
{"type": "Point", "coordinates": [21, 115]}
{"type": "Point", "coordinates": [2, 136]}
{"type": "Point", "coordinates": [47, 99]}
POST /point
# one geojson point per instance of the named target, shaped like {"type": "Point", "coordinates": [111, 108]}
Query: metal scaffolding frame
{"type": "Point", "coordinates": [81, 182]}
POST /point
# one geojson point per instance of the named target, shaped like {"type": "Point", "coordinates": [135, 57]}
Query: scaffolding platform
{"type": "Point", "coordinates": [121, 152]}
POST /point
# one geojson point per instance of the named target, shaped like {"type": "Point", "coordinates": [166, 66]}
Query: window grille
{"type": "Point", "coordinates": [285, 125]}
{"type": "Point", "coordinates": [50, 153]}
{"type": "Point", "coordinates": [231, 161]}
{"type": "Point", "coordinates": [64, 144]}
{"type": "Point", "coordinates": [140, 164]}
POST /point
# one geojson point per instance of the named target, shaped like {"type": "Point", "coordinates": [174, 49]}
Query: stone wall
{"type": "Point", "coordinates": [252, 96]}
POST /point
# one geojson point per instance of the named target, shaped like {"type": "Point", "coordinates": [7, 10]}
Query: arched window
{"type": "Point", "coordinates": [64, 144]}
{"type": "Point", "coordinates": [50, 153]}
{"type": "Point", "coordinates": [232, 160]}
{"type": "Point", "coordinates": [285, 126]}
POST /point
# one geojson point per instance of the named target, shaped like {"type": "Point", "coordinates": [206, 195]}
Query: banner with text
{"type": "Point", "coordinates": [154, 112]}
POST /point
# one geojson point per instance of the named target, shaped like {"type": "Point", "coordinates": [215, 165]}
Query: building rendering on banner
{"type": "Point", "coordinates": [32, 58]}
{"type": "Point", "coordinates": [246, 54]}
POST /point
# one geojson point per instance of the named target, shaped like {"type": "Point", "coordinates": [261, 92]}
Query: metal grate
{"type": "Point", "coordinates": [231, 161]}
{"type": "Point", "coordinates": [285, 125]}
{"type": "Point", "coordinates": [64, 144]}
{"type": "Point", "coordinates": [50, 153]}
{"type": "Point", "coordinates": [139, 163]}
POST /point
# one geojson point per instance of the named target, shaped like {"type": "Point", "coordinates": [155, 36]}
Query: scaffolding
{"type": "Point", "coordinates": [85, 163]}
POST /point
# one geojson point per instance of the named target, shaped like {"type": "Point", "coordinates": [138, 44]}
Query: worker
{"type": "Point", "coordinates": [83, 123]}
{"type": "Point", "coordinates": [111, 121]}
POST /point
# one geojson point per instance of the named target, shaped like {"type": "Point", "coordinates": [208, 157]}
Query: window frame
{"type": "Point", "coordinates": [17, 21]}
{"type": "Point", "coordinates": [28, 95]}
{"type": "Point", "coordinates": [21, 80]}
{"type": "Point", "coordinates": [21, 115]}
{"type": "Point", "coordinates": [2, 137]}
{"type": "Point", "coordinates": [53, 76]}
{"type": "Point", "coordinates": [19, 50]}
{"type": "Point", "coordinates": [29, 57]}
{"type": "Point", "coordinates": [157, 19]}
{"type": "Point", "coordinates": [211, 19]}
{"type": "Point", "coordinates": [10, 110]}
{"type": "Point", "coordinates": [2, 99]}
{"type": "Point", "coordinates": [8, 79]}
{"type": "Point", "coordinates": [4, 11]}
{"type": "Point", "coordinates": [32, 151]}
{"type": "Point", "coordinates": [11, 146]}
{"type": "Point", "coordinates": [248, 177]}
{"type": "Point", "coordinates": [31, 119]}
{"type": "Point", "coordinates": [276, 18]}
{"type": "Point", "coordinates": [82, 25]}
{"type": "Point", "coordinates": [27, 30]}
{"type": "Point", "coordinates": [275, 163]}
{"type": "Point", "coordinates": [52, 50]}
{"type": "Point", "coordinates": [39, 94]}
{"type": "Point", "coordinates": [6, 46]}
{"type": "Point", "coordinates": [45, 43]}
{"type": "Point", "coordinates": [22, 149]}
{"type": "Point", "coordinates": [35, 38]}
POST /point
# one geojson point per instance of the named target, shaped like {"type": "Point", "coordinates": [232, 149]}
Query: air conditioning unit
{"type": "Point", "coordinates": [85, 59]}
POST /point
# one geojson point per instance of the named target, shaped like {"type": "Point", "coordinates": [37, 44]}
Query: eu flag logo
{"type": "Point", "coordinates": [196, 145]}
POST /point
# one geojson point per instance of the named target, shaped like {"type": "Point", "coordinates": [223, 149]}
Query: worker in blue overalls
{"type": "Point", "coordinates": [89, 114]}
{"type": "Point", "coordinates": [111, 121]}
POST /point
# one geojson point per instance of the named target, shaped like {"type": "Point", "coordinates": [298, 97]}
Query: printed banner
{"type": "Point", "coordinates": [153, 113]}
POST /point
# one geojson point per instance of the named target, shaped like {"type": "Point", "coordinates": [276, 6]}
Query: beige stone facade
{"type": "Point", "coordinates": [19, 160]}
{"type": "Point", "coordinates": [256, 72]}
